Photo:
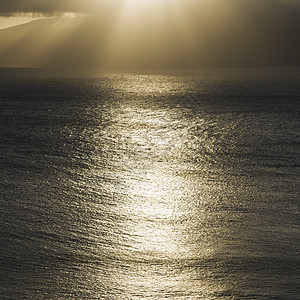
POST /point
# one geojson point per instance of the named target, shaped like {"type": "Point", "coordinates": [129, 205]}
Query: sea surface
{"type": "Point", "coordinates": [150, 184]}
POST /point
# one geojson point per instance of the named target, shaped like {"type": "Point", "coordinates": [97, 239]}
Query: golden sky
{"type": "Point", "coordinates": [149, 32]}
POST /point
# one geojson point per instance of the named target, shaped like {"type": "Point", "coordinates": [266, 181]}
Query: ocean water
{"type": "Point", "coordinates": [150, 185]}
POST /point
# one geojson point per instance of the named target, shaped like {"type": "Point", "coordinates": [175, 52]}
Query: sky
{"type": "Point", "coordinates": [156, 33]}
{"type": "Point", "coordinates": [10, 7]}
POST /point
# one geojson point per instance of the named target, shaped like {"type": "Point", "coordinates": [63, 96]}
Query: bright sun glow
{"type": "Point", "coordinates": [137, 4]}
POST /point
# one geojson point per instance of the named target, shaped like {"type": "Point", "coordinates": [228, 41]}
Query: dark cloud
{"type": "Point", "coordinates": [10, 7]}
{"type": "Point", "coordinates": [48, 7]}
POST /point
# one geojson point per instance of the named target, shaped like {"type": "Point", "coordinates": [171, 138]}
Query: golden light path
{"type": "Point", "coordinates": [153, 191]}
{"type": "Point", "coordinates": [157, 207]}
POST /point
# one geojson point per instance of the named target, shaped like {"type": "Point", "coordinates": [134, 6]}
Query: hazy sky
{"type": "Point", "coordinates": [150, 32]}
{"type": "Point", "coordinates": [9, 7]}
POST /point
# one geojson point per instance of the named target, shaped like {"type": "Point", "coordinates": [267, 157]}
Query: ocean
{"type": "Point", "coordinates": [150, 184]}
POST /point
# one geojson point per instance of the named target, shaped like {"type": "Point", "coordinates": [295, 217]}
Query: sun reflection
{"type": "Point", "coordinates": [147, 85]}
{"type": "Point", "coordinates": [153, 205]}
{"type": "Point", "coordinates": [154, 202]}
{"type": "Point", "coordinates": [154, 194]}
{"type": "Point", "coordinates": [157, 193]}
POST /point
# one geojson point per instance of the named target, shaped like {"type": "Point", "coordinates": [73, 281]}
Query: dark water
{"type": "Point", "coordinates": [181, 185]}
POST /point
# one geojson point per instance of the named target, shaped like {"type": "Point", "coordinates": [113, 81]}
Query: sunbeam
{"type": "Point", "coordinates": [149, 149]}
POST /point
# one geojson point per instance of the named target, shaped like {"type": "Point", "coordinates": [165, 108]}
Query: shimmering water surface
{"type": "Point", "coordinates": [181, 185]}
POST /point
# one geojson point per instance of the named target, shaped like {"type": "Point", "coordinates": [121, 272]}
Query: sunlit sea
{"type": "Point", "coordinates": [150, 185]}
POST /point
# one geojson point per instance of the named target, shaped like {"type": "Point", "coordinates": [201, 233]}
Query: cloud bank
{"type": "Point", "coordinates": [48, 7]}
{"type": "Point", "coordinates": [52, 7]}
{"type": "Point", "coordinates": [176, 33]}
